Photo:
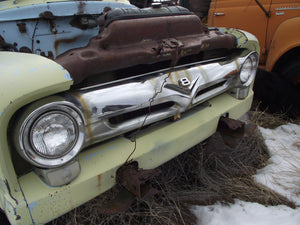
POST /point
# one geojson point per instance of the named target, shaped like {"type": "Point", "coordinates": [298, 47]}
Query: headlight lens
{"type": "Point", "coordinates": [248, 70]}
{"type": "Point", "coordinates": [52, 135]}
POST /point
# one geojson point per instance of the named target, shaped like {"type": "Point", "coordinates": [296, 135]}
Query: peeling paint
{"type": "Point", "coordinates": [99, 181]}
{"type": "Point", "coordinates": [92, 155]}
{"type": "Point", "coordinates": [67, 76]}
{"type": "Point", "coordinates": [111, 147]}
{"type": "Point", "coordinates": [12, 210]}
{"type": "Point", "coordinates": [9, 191]}
{"type": "Point", "coordinates": [32, 205]}
{"type": "Point", "coordinates": [33, 70]}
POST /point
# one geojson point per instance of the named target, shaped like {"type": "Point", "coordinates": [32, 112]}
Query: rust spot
{"type": "Point", "coordinates": [232, 73]}
{"type": "Point", "coordinates": [65, 41]}
{"type": "Point", "coordinates": [9, 191]}
{"type": "Point", "coordinates": [7, 46]}
{"type": "Point", "coordinates": [99, 181]}
{"type": "Point", "coordinates": [88, 122]}
{"type": "Point", "coordinates": [177, 117]}
{"type": "Point", "coordinates": [106, 9]}
{"type": "Point", "coordinates": [25, 49]}
{"type": "Point", "coordinates": [81, 7]}
{"type": "Point", "coordinates": [53, 26]}
{"type": "Point", "coordinates": [47, 15]}
{"type": "Point", "coordinates": [49, 55]}
{"type": "Point", "coordinates": [22, 27]}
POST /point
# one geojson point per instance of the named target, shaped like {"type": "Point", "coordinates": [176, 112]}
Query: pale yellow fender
{"type": "Point", "coordinates": [23, 78]}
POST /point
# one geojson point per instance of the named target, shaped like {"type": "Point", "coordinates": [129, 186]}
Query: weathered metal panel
{"type": "Point", "coordinates": [129, 42]}
{"type": "Point", "coordinates": [74, 5]}
{"type": "Point", "coordinates": [46, 28]}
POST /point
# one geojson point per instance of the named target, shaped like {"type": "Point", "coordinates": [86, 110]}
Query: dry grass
{"type": "Point", "coordinates": [205, 174]}
{"type": "Point", "coordinates": [268, 120]}
{"type": "Point", "coordinates": [224, 174]}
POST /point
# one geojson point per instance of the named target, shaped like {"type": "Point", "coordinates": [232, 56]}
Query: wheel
{"type": "Point", "coordinates": [291, 71]}
{"type": "Point", "coordinates": [276, 94]}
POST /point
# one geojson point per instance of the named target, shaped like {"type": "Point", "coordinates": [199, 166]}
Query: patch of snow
{"type": "Point", "coordinates": [282, 174]}
{"type": "Point", "coordinates": [246, 213]}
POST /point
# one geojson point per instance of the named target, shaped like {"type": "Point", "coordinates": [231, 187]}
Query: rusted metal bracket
{"type": "Point", "coordinates": [133, 183]}
{"type": "Point", "coordinates": [232, 131]}
{"type": "Point", "coordinates": [135, 179]}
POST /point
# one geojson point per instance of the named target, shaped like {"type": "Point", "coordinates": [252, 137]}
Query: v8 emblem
{"type": "Point", "coordinates": [184, 82]}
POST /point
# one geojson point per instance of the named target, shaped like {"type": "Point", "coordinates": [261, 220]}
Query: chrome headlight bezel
{"type": "Point", "coordinates": [28, 149]}
{"type": "Point", "coordinates": [248, 69]}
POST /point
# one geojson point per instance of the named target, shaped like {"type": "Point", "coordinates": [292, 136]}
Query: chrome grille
{"type": "Point", "coordinates": [121, 106]}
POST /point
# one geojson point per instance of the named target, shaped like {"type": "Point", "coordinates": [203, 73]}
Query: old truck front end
{"type": "Point", "coordinates": [146, 87]}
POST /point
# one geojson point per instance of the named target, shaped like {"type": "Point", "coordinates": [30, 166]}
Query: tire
{"type": "Point", "coordinates": [276, 94]}
{"type": "Point", "coordinates": [3, 218]}
{"type": "Point", "coordinates": [291, 71]}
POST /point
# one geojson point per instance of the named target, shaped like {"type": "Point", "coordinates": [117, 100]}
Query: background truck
{"type": "Point", "coordinates": [276, 25]}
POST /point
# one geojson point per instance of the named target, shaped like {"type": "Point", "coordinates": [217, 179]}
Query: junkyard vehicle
{"type": "Point", "coordinates": [105, 87]}
{"type": "Point", "coordinates": [275, 24]}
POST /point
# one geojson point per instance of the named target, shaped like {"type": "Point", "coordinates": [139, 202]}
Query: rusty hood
{"type": "Point", "coordinates": [130, 37]}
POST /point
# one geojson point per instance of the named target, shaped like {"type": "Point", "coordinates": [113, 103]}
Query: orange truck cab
{"type": "Point", "coordinates": [276, 24]}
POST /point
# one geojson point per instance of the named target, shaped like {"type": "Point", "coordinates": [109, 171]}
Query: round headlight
{"type": "Point", "coordinates": [52, 135]}
{"type": "Point", "coordinates": [248, 70]}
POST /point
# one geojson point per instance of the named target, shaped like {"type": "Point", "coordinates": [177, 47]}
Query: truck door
{"type": "Point", "coordinates": [283, 30]}
{"type": "Point", "coordinates": [248, 15]}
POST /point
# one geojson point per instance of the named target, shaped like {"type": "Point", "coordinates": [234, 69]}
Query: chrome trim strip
{"type": "Point", "coordinates": [287, 8]}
